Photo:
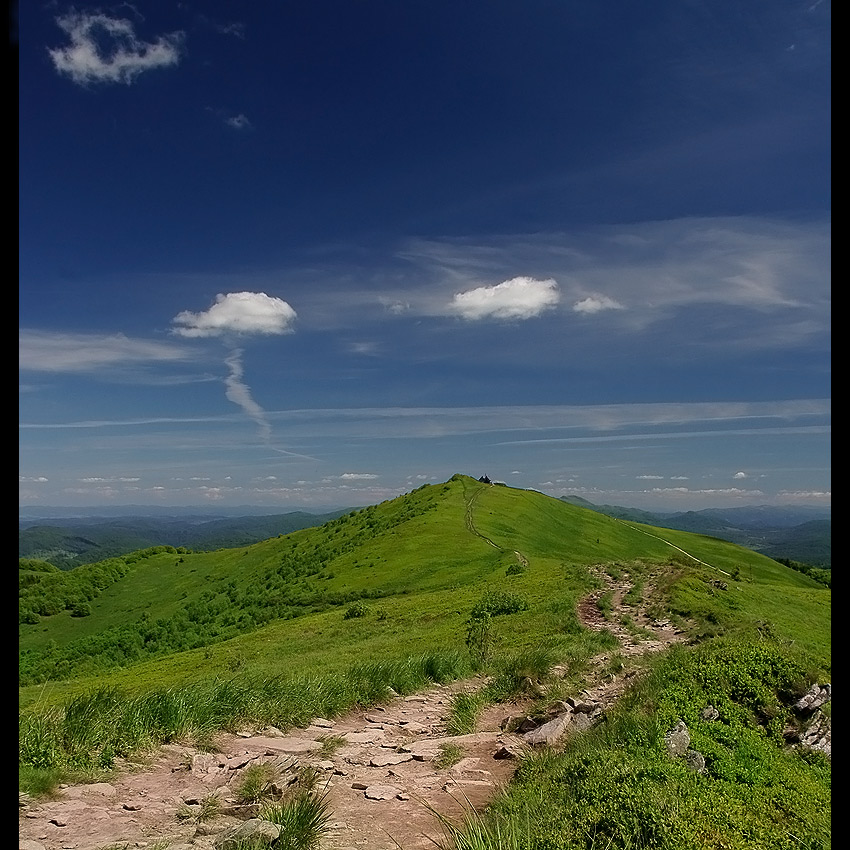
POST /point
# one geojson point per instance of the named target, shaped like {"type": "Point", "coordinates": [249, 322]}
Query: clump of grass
{"type": "Point", "coordinates": [330, 744]}
{"type": "Point", "coordinates": [208, 809]}
{"type": "Point", "coordinates": [634, 594]}
{"type": "Point", "coordinates": [604, 603]}
{"type": "Point", "coordinates": [515, 671]}
{"type": "Point", "coordinates": [449, 755]}
{"type": "Point", "coordinates": [634, 629]}
{"type": "Point", "coordinates": [463, 713]}
{"type": "Point", "coordinates": [256, 783]}
{"type": "Point", "coordinates": [303, 820]}
{"type": "Point", "coordinates": [616, 663]}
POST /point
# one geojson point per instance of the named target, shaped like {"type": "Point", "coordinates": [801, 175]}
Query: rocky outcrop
{"type": "Point", "coordinates": [817, 696]}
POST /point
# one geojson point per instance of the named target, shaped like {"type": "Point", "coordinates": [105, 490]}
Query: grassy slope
{"type": "Point", "coordinates": [432, 566]}
{"type": "Point", "coordinates": [434, 552]}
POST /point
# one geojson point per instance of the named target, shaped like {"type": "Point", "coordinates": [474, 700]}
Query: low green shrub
{"type": "Point", "coordinates": [358, 609]}
{"type": "Point", "coordinates": [496, 602]}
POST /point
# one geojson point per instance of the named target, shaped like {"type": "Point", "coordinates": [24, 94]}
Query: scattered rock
{"type": "Point", "coordinates": [695, 761]}
{"type": "Point", "coordinates": [548, 733]}
{"type": "Point", "coordinates": [506, 753]}
{"type": "Point", "coordinates": [678, 739]}
{"type": "Point", "coordinates": [817, 696]}
{"type": "Point", "coordinates": [527, 724]}
{"type": "Point", "coordinates": [381, 792]}
{"type": "Point", "coordinates": [254, 831]}
{"type": "Point", "coordinates": [710, 713]}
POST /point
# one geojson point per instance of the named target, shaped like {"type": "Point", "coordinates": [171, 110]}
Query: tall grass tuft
{"type": "Point", "coordinates": [514, 671]}
{"type": "Point", "coordinates": [96, 727]}
{"type": "Point", "coordinates": [303, 820]}
{"type": "Point", "coordinates": [463, 713]}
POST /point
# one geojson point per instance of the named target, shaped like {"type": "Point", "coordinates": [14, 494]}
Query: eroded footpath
{"type": "Point", "coordinates": [383, 779]}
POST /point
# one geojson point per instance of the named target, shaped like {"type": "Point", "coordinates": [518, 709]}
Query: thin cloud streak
{"type": "Point", "coordinates": [493, 419]}
{"type": "Point", "coordinates": [239, 393]}
{"type": "Point", "coordinates": [667, 435]}
{"type": "Point", "coordinates": [45, 351]}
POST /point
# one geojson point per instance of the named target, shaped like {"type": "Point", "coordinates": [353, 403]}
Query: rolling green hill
{"type": "Point", "coordinates": [457, 538]}
{"type": "Point", "coordinates": [391, 595]}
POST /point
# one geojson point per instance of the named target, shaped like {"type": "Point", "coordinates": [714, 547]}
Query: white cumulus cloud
{"type": "Point", "coordinates": [740, 475]}
{"type": "Point", "coordinates": [349, 476]}
{"type": "Point", "coordinates": [106, 50]}
{"type": "Point", "coordinates": [517, 298]}
{"type": "Point", "coordinates": [238, 312]}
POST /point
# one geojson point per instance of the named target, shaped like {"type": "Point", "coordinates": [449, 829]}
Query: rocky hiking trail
{"type": "Point", "coordinates": [382, 782]}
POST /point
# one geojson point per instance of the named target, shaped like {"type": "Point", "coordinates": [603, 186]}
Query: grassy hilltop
{"type": "Point", "coordinates": [324, 618]}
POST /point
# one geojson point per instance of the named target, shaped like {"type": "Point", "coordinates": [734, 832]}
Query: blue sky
{"type": "Point", "coordinates": [317, 254]}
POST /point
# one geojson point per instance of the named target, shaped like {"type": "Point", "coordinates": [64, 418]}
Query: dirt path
{"type": "Point", "coordinates": [380, 782]}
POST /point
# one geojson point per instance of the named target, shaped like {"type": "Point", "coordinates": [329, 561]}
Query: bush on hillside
{"type": "Point", "coordinates": [495, 602]}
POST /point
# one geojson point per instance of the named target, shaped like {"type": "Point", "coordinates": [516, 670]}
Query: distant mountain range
{"type": "Point", "coordinates": [67, 542]}
{"type": "Point", "coordinates": [798, 533]}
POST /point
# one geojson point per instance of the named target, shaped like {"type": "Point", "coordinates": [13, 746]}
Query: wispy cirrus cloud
{"type": "Point", "coordinates": [106, 49]}
{"type": "Point", "coordinates": [238, 122]}
{"type": "Point", "coordinates": [771, 276]}
{"type": "Point", "coordinates": [45, 351]}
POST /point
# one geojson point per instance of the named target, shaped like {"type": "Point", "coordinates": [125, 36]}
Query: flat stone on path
{"type": "Point", "coordinates": [287, 744]}
{"type": "Point", "coordinates": [385, 759]}
{"type": "Point", "coordinates": [381, 792]}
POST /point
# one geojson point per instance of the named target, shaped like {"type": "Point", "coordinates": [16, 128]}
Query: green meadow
{"type": "Point", "coordinates": [167, 644]}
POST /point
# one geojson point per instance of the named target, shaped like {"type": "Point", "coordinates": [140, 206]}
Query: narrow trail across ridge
{"type": "Point", "coordinates": [471, 527]}
{"type": "Point", "coordinates": [383, 776]}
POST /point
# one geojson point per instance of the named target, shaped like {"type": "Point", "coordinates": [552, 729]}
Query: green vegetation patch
{"type": "Point", "coordinates": [616, 786]}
